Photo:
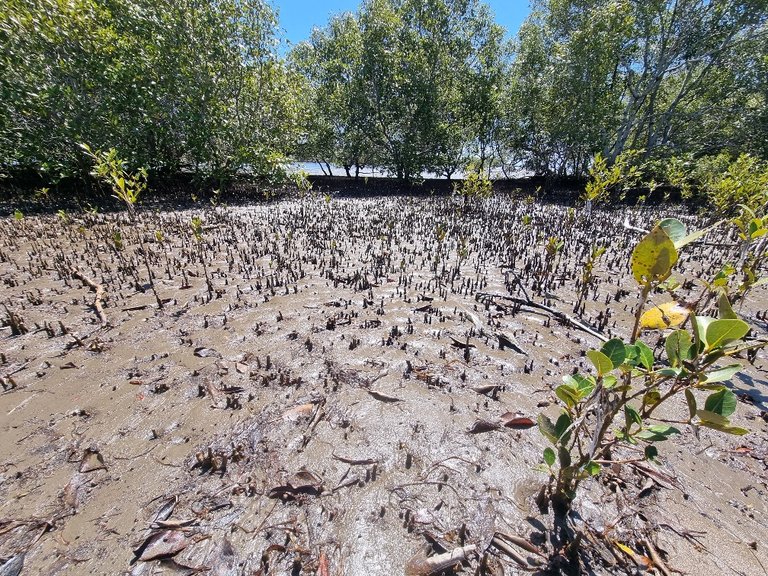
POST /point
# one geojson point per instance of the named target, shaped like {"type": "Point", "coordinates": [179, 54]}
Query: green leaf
{"type": "Point", "coordinates": [722, 403]}
{"type": "Point", "coordinates": [583, 385]}
{"type": "Point", "coordinates": [609, 381]}
{"type": "Point", "coordinates": [645, 355]}
{"type": "Point", "coordinates": [652, 397]}
{"type": "Point", "coordinates": [564, 456]}
{"type": "Point", "coordinates": [691, 400]}
{"type": "Point", "coordinates": [631, 416]}
{"type": "Point", "coordinates": [720, 423]}
{"type": "Point", "coordinates": [657, 432]}
{"type": "Point", "coordinates": [673, 372]}
{"type": "Point", "coordinates": [561, 428]}
{"type": "Point", "coordinates": [700, 325]}
{"type": "Point", "coordinates": [615, 351]}
{"type": "Point", "coordinates": [568, 394]}
{"type": "Point", "coordinates": [549, 456]}
{"type": "Point", "coordinates": [674, 229]}
{"type": "Point", "coordinates": [653, 258]}
{"type": "Point", "coordinates": [547, 428]}
{"type": "Point", "coordinates": [721, 332]}
{"type": "Point", "coordinates": [723, 374]}
{"type": "Point", "coordinates": [678, 346]}
{"type": "Point", "coordinates": [592, 468]}
{"type": "Point", "coordinates": [693, 236]}
{"type": "Point", "coordinates": [724, 308]}
{"type": "Point", "coordinates": [602, 363]}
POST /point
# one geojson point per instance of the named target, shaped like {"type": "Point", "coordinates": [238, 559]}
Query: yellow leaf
{"type": "Point", "coordinates": [624, 548]}
{"type": "Point", "coordinates": [667, 315]}
{"type": "Point", "coordinates": [653, 257]}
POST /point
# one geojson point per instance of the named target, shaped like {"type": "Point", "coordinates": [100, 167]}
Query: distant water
{"type": "Point", "coordinates": [314, 169]}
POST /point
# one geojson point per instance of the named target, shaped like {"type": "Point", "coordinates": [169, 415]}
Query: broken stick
{"type": "Point", "coordinates": [100, 294]}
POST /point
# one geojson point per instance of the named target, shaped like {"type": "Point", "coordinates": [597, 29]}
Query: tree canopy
{"type": "Point", "coordinates": [410, 87]}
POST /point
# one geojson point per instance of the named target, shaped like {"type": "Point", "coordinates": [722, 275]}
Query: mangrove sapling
{"type": "Point", "coordinates": [617, 405]}
{"type": "Point", "coordinates": [127, 187]}
{"type": "Point", "coordinates": [606, 180]}
{"type": "Point", "coordinates": [474, 186]}
{"type": "Point", "coordinates": [552, 251]}
{"type": "Point", "coordinates": [588, 275]}
{"type": "Point", "coordinates": [753, 233]}
{"type": "Point", "coordinates": [197, 231]}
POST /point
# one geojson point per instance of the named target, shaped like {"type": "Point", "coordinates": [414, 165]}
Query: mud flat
{"type": "Point", "coordinates": [330, 387]}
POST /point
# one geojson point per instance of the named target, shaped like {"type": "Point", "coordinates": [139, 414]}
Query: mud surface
{"type": "Point", "coordinates": [323, 392]}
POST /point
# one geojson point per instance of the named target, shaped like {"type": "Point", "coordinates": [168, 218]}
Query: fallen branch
{"type": "Point", "coordinates": [656, 557]}
{"type": "Point", "coordinates": [419, 565]}
{"type": "Point", "coordinates": [100, 294]}
{"type": "Point", "coordinates": [499, 544]}
{"type": "Point", "coordinates": [562, 316]}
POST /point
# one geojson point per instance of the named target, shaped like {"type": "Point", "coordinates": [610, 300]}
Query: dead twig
{"type": "Point", "coordinates": [656, 557]}
{"type": "Point", "coordinates": [98, 289]}
{"type": "Point", "coordinates": [420, 565]}
{"type": "Point", "coordinates": [562, 316]}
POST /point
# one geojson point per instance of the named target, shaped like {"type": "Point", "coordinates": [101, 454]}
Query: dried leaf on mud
{"type": "Point", "coordinates": [303, 482]}
{"type": "Point", "coordinates": [171, 566]}
{"type": "Point", "coordinates": [491, 390]}
{"type": "Point", "coordinates": [166, 509]}
{"type": "Point", "coordinates": [420, 565]}
{"type": "Point", "coordinates": [222, 559]}
{"type": "Point", "coordinates": [481, 426]}
{"type": "Point", "coordinates": [297, 412]}
{"type": "Point", "coordinates": [512, 420]}
{"type": "Point", "coordinates": [162, 544]}
{"type": "Point", "coordinates": [203, 352]}
{"type": "Point", "coordinates": [71, 494]}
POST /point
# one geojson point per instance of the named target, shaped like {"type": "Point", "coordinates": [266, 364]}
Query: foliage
{"type": "Point", "coordinates": [169, 84]}
{"type": "Point", "coordinates": [407, 86]}
{"type": "Point", "coordinates": [605, 180]}
{"type": "Point", "coordinates": [410, 86]}
{"type": "Point", "coordinates": [617, 404]}
{"type": "Point", "coordinates": [607, 76]}
{"type": "Point", "coordinates": [110, 168]}
{"type": "Point", "coordinates": [474, 185]}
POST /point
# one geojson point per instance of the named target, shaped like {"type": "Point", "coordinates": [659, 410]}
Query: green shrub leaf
{"type": "Point", "coordinates": [678, 346]}
{"type": "Point", "coordinates": [602, 363]}
{"type": "Point", "coordinates": [657, 432]}
{"type": "Point", "coordinates": [549, 456]}
{"type": "Point", "coordinates": [645, 355]}
{"type": "Point", "coordinates": [674, 229]}
{"type": "Point", "coordinates": [592, 468]}
{"type": "Point", "coordinates": [547, 428]}
{"type": "Point", "coordinates": [720, 423]}
{"type": "Point", "coordinates": [723, 374]}
{"type": "Point", "coordinates": [722, 403]}
{"type": "Point", "coordinates": [568, 394]}
{"type": "Point", "coordinates": [615, 351]}
{"type": "Point", "coordinates": [691, 400]}
{"type": "Point", "coordinates": [721, 332]}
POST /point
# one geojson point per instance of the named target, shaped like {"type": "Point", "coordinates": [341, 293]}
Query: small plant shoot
{"type": "Point", "coordinates": [618, 403]}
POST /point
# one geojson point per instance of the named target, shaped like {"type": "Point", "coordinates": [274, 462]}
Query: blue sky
{"type": "Point", "coordinates": [298, 17]}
